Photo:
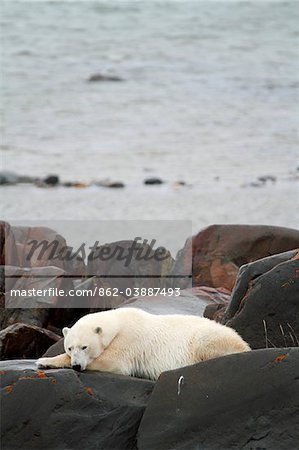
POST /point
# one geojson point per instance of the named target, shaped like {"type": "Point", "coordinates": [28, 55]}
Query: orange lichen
{"type": "Point", "coordinates": [9, 389]}
{"type": "Point", "coordinates": [80, 185]}
{"type": "Point", "coordinates": [280, 358]}
{"type": "Point", "coordinates": [41, 374]}
{"type": "Point", "coordinates": [89, 390]}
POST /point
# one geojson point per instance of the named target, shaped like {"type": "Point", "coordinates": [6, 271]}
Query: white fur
{"type": "Point", "coordinates": [130, 341]}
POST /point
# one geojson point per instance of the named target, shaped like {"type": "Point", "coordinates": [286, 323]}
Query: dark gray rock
{"type": "Point", "coordinates": [242, 401]}
{"type": "Point", "coordinates": [102, 77]}
{"type": "Point", "coordinates": [150, 181]}
{"type": "Point", "coordinates": [264, 307]}
{"type": "Point", "coordinates": [51, 180]}
{"type": "Point", "coordinates": [31, 316]}
{"type": "Point", "coordinates": [55, 349]}
{"type": "Point", "coordinates": [63, 409]}
{"type": "Point", "coordinates": [266, 178]}
{"type": "Point", "coordinates": [25, 341]}
{"type": "Point", "coordinates": [214, 311]}
{"type": "Point", "coordinates": [250, 272]}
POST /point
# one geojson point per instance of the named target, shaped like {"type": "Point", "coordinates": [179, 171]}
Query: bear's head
{"type": "Point", "coordinates": [83, 345]}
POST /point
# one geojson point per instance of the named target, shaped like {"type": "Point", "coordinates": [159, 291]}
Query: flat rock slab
{"type": "Point", "coordinates": [63, 409]}
{"type": "Point", "coordinates": [243, 401]}
{"type": "Point", "coordinates": [186, 303]}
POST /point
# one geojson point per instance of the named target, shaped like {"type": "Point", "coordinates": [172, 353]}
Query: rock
{"type": "Point", "coordinates": [75, 265]}
{"type": "Point", "coordinates": [81, 185]}
{"type": "Point", "coordinates": [251, 271]}
{"type": "Point", "coordinates": [264, 307]}
{"type": "Point", "coordinates": [27, 179]}
{"type": "Point", "coordinates": [215, 295]}
{"type": "Point", "coordinates": [51, 180]}
{"type": "Point", "coordinates": [27, 281]}
{"type": "Point", "coordinates": [9, 316]}
{"type": "Point", "coordinates": [27, 267]}
{"type": "Point", "coordinates": [61, 317]}
{"type": "Point", "coordinates": [7, 177]}
{"type": "Point", "coordinates": [125, 269]}
{"type": "Point", "coordinates": [216, 253]}
{"type": "Point", "coordinates": [153, 180]}
{"type": "Point", "coordinates": [103, 77]}
{"type": "Point", "coordinates": [28, 307]}
{"type": "Point", "coordinates": [110, 184]}
{"type": "Point", "coordinates": [55, 349]}
{"type": "Point", "coordinates": [186, 303]}
{"type": "Point", "coordinates": [25, 341]}
{"type": "Point", "coordinates": [247, 400]}
{"type": "Point", "coordinates": [76, 184]}
{"type": "Point", "coordinates": [57, 409]}
{"type": "Point", "coordinates": [40, 246]}
{"type": "Point", "coordinates": [31, 316]}
{"type": "Point", "coordinates": [8, 247]}
{"type": "Point", "coordinates": [266, 178]}
{"type": "Point", "coordinates": [190, 301]}
{"type": "Point", "coordinates": [214, 312]}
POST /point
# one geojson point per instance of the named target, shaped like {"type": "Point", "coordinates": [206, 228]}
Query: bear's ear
{"type": "Point", "coordinates": [65, 331]}
{"type": "Point", "coordinates": [98, 330]}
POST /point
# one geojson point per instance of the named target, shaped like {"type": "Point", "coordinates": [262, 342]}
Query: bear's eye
{"type": "Point", "coordinates": [84, 347]}
{"type": "Point", "coordinates": [70, 348]}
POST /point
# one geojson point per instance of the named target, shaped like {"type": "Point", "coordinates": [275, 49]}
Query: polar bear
{"type": "Point", "coordinates": [130, 341]}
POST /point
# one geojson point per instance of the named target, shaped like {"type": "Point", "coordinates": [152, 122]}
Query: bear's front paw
{"type": "Point", "coordinates": [45, 363]}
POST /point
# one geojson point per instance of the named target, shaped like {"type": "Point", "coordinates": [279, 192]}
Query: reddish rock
{"type": "Point", "coordinates": [26, 280]}
{"type": "Point", "coordinates": [122, 275]}
{"type": "Point", "coordinates": [218, 251]}
{"type": "Point", "coordinates": [32, 309]}
{"type": "Point", "coordinates": [33, 255]}
{"type": "Point", "coordinates": [219, 296]}
{"type": "Point", "coordinates": [21, 340]}
{"type": "Point", "coordinates": [43, 246]}
{"type": "Point", "coordinates": [42, 270]}
{"type": "Point", "coordinates": [8, 248]}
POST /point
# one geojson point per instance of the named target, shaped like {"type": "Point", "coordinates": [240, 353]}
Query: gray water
{"type": "Point", "coordinates": [209, 96]}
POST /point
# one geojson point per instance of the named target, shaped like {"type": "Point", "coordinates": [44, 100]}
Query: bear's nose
{"type": "Point", "coordinates": [77, 367]}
